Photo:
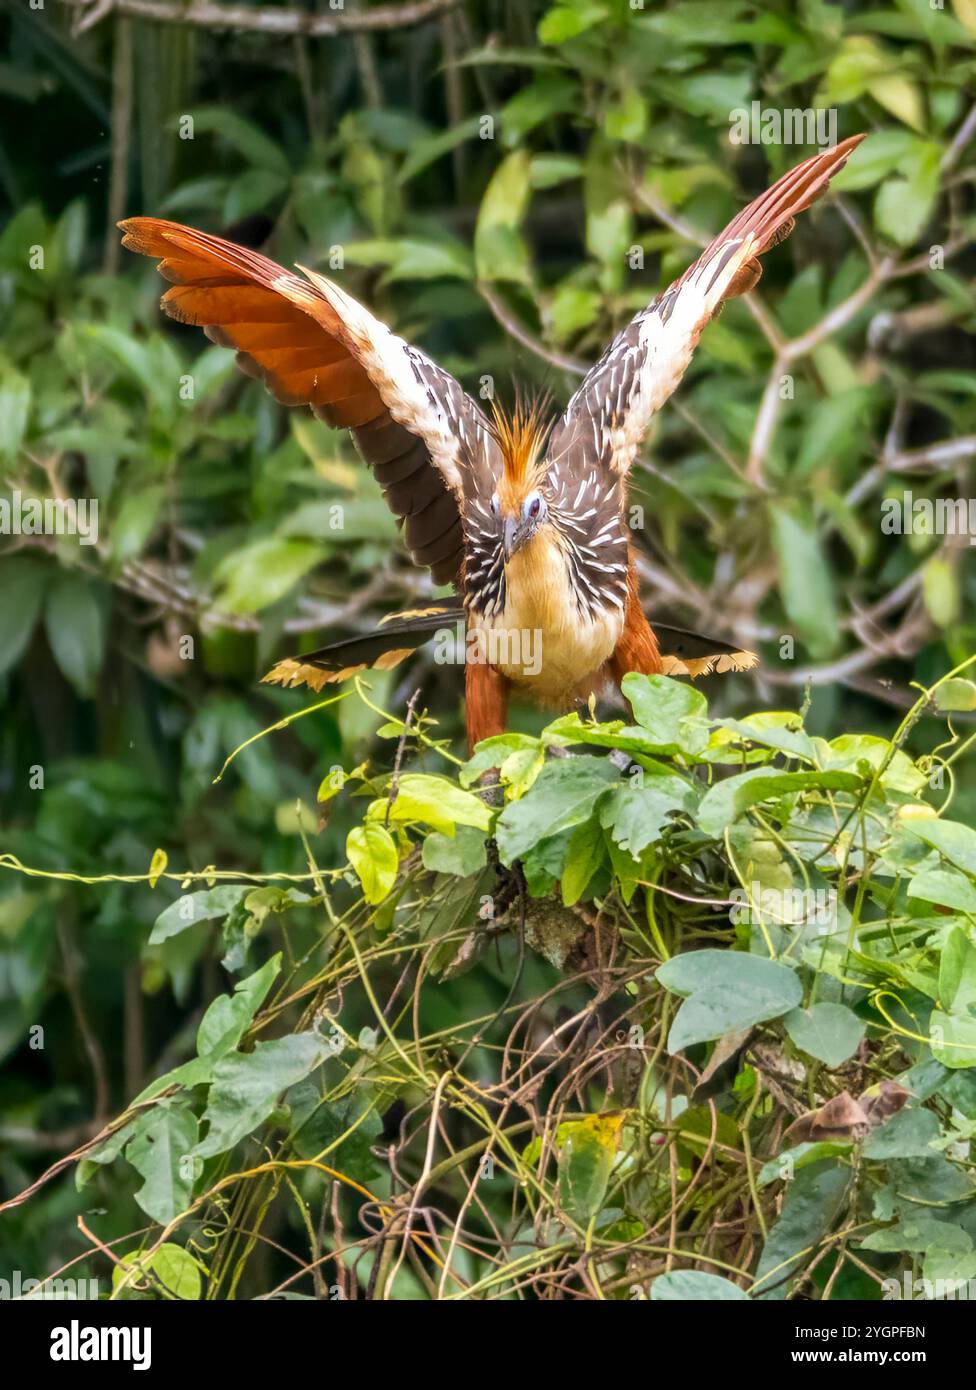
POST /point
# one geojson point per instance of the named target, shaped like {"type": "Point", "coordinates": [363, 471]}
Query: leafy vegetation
{"type": "Point", "coordinates": [270, 975]}
{"type": "Point", "coordinates": [799, 903]}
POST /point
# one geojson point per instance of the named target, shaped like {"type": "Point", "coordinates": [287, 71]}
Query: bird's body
{"type": "Point", "coordinates": [526, 518]}
{"type": "Point", "coordinates": [541, 626]}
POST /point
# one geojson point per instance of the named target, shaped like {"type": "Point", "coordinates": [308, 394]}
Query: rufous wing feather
{"type": "Point", "coordinates": [314, 345]}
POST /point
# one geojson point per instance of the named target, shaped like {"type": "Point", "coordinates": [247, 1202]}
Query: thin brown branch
{"type": "Point", "coordinates": [931, 458]}
{"type": "Point", "coordinates": [517, 330]}
{"type": "Point", "coordinates": [206, 14]}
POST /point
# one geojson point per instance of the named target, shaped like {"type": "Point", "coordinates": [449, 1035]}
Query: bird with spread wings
{"type": "Point", "coordinates": [526, 518]}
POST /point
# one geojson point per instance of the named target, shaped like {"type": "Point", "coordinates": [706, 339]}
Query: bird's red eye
{"type": "Point", "coordinates": [535, 506]}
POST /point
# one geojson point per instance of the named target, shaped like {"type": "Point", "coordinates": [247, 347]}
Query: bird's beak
{"type": "Point", "coordinates": [510, 537]}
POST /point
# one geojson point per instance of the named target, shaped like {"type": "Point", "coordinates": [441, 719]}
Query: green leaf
{"type": "Point", "coordinates": [710, 94]}
{"type": "Point", "coordinates": [635, 816]}
{"type": "Point", "coordinates": [549, 94]}
{"type": "Point", "coordinates": [262, 572]}
{"type": "Point", "coordinates": [867, 753]}
{"type": "Point", "coordinates": [727, 800]}
{"type": "Point", "coordinates": [882, 153]}
{"type": "Point", "coordinates": [463, 855]}
{"type": "Point", "coordinates": [76, 632]}
{"type": "Point", "coordinates": [253, 191]}
{"type": "Point", "coordinates": [954, 1269]}
{"type": "Point", "coordinates": [829, 1032]}
{"type": "Point", "coordinates": [520, 770]}
{"type": "Point", "coordinates": [805, 581]}
{"type": "Point", "coordinates": [372, 852]}
{"type": "Point", "coordinates": [411, 259]}
{"type": "Point", "coordinates": [425, 151]}
{"type": "Point", "coordinates": [492, 752]}
{"type": "Point", "coordinates": [499, 251]}
{"type": "Point", "coordinates": [609, 215]}
{"type": "Point", "coordinates": [548, 170]}
{"type": "Point", "coordinates": [221, 1029]}
{"type": "Point", "coordinates": [957, 973]}
{"type": "Point", "coordinates": [15, 402]}
{"type": "Point", "coordinates": [191, 908]}
{"type": "Point", "coordinates": [133, 523]}
{"type": "Point", "coordinates": [940, 590]}
{"type": "Point", "coordinates": [568, 20]}
{"type": "Point", "coordinates": [790, 1161]}
{"type": "Point", "coordinates": [584, 856]}
{"type": "Point", "coordinates": [151, 365]}
{"type": "Point", "coordinates": [776, 729]}
{"type": "Point", "coordinates": [726, 990]}
{"type": "Point", "coordinates": [564, 795]}
{"type": "Point", "coordinates": [945, 887]}
{"type": "Point", "coordinates": [686, 1285]}
{"type": "Point", "coordinates": [897, 214]}
{"type": "Point", "coordinates": [833, 428]}
{"type": "Point", "coordinates": [909, 1134]}
{"type": "Point", "coordinates": [952, 1038]}
{"type": "Point", "coordinates": [917, 1234]}
{"type": "Point", "coordinates": [245, 137]}
{"type": "Point", "coordinates": [674, 714]}
{"type": "Point", "coordinates": [340, 1132]}
{"type": "Point", "coordinates": [813, 1202]}
{"type": "Point", "coordinates": [229, 1015]}
{"type": "Point", "coordinates": [174, 1268]}
{"type": "Point", "coordinates": [159, 1152]}
{"type": "Point", "coordinates": [954, 841]}
{"type": "Point", "coordinates": [931, 1180]}
{"type": "Point", "coordinates": [571, 308]}
{"type": "Point", "coordinates": [905, 202]}
{"type": "Point", "coordinates": [246, 1086]}
{"type": "Point", "coordinates": [956, 694]}
{"type": "Point", "coordinates": [626, 119]}
{"type": "Point", "coordinates": [24, 579]}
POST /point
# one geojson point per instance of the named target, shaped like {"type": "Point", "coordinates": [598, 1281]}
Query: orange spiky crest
{"type": "Point", "coordinates": [521, 436]}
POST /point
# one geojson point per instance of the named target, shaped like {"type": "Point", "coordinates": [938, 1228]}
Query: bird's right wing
{"type": "Point", "coordinates": [315, 345]}
{"type": "Point", "coordinates": [692, 654]}
{"type": "Point", "coordinates": [607, 418]}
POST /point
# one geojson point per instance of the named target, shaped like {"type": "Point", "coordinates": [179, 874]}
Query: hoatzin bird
{"type": "Point", "coordinates": [527, 521]}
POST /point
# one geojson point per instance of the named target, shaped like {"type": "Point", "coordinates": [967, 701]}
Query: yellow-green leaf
{"type": "Point", "coordinates": [157, 866]}
{"type": "Point", "coordinates": [586, 1160]}
{"type": "Point", "coordinates": [940, 589]}
{"type": "Point", "coordinates": [373, 854]}
{"type": "Point", "coordinates": [435, 801]}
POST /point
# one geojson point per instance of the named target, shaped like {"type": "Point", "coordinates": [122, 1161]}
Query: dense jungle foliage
{"type": "Point", "coordinates": [277, 1014]}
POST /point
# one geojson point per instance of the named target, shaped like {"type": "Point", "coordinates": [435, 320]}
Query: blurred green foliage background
{"type": "Point", "coordinates": [505, 182]}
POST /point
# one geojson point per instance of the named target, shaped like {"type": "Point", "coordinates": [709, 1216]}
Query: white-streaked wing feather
{"type": "Point", "coordinates": [411, 384]}
{"type": "Point", "coordinates": [607, 418]}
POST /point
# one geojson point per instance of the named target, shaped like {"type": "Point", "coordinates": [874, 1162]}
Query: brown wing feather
{"type": "Point", "coordinates": [314, 345]}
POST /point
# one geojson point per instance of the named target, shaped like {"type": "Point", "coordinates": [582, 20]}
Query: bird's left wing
{"type": "Point", "coordinates": [608, 416]}
{"type": "Point", "coordinates": [315, 345]}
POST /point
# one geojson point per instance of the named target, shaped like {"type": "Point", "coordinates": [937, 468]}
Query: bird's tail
{"type": "Point", "coordinates": [395, 638]}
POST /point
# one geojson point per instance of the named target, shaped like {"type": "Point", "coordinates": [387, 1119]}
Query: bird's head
{"type": "Point", "coordinates": [520, 500]}
{"type": "Point", "coordinates": [520, 520]}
